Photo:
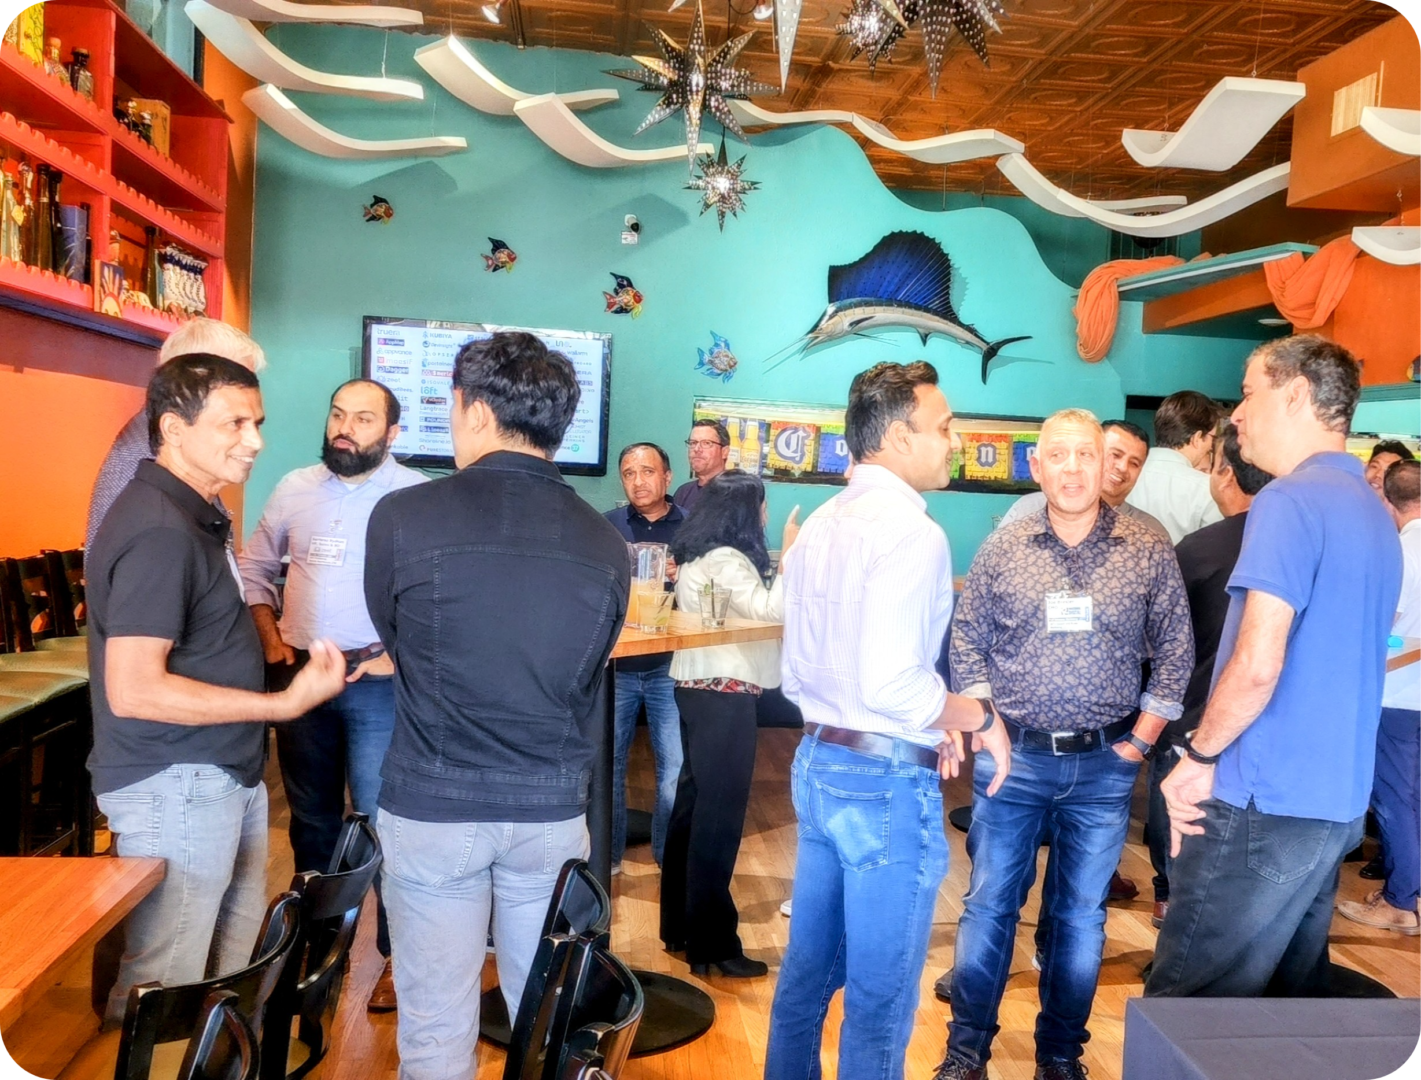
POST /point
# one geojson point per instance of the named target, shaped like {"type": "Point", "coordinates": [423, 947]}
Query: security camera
{"type": "Point", "coordinates": [632, 230]}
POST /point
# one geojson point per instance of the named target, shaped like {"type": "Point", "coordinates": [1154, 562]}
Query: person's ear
{"type": "Point", "coordinates": [172, 426]}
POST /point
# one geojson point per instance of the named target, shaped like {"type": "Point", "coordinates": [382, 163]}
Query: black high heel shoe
{"type": "Point", "coordinates": [735, 967]}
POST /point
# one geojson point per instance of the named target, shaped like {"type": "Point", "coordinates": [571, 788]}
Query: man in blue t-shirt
{"type": "Point", "coordinates": [1276, 779]}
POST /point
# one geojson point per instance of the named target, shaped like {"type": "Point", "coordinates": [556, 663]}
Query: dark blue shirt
{"type": "Point", "coordinates": [688, 494]}
{"type": "Point", "coordinates": [638, 530]}
{"type": "Point", "coordinates": [1319, 540]}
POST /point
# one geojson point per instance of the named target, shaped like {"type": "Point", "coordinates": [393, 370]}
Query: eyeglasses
{"type": "Point", "coordinates": [704, 444]}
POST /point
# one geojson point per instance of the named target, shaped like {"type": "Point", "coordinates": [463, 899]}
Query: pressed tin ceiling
{"type": "Point", "coordinates": [1066, 75]}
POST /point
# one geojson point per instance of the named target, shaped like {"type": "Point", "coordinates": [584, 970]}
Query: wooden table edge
{"type": "Point", "coordinates": [686, 632]}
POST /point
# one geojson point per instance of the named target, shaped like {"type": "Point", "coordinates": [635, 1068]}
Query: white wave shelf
{"type": "Point", "coordinates": [280, 11]}
{"type": "Point", "coordinates": [454, 67]}
{"type": "Point", "coordinates": [1399, 245]}
{"type": "Point", "coordinates": [282, 116]}
{"type": "Point", "coordinates": [243, 44]}
{"type": "Point", "coordinates": [1396, 129]}
{"type": "Point", "coordinates": [1221, 130]}
{"type": "Point", "coordinates": [1025, 177]}
{"type": "Point", "coordinates": [548, 117]}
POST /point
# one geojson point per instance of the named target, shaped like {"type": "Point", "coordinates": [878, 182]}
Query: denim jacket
{"type": "Point", "coordinates": [499, 593]}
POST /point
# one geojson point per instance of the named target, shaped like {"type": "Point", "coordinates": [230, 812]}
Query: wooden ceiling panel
{"type": "Point", "coordinates": [1065, 76]}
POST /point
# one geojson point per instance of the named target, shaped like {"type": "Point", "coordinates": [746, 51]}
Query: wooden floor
{"type": "Point", "coordinates": [735, 1046]}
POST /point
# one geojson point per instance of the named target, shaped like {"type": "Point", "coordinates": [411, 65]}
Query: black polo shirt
{"type": "Point", "coordinates": [1206, 561]}
{"type": "Point", "coordinates": [636, 529]}
{"type": "Point", "coordinates": [688, 494]}
{"type": "Point", "coordinates": [159, 567]}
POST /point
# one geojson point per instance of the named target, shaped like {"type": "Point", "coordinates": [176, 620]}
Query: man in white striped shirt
{"type": "Point", "coordinates": [868, 596]}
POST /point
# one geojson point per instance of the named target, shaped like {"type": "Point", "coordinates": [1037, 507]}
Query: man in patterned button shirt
{"type": "Point", "coordinates": [1056, 615]}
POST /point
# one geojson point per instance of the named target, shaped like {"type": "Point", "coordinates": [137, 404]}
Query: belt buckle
{"type": "Point", "coordinates": [1058, 736]}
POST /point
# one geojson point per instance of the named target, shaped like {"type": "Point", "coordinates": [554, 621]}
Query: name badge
{"type": "Point", "coordinates": [326, 551]}
{"type": "Point", "coordinates": [1068, 614]}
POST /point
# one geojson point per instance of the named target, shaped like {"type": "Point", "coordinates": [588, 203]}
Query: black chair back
{"type": "Point", "coordinates": [579, 919]}
{"type": "Point", "coordinates": [37, 597]}
{"type": "Point", "coordinates": [66, 579]}
{"type": "Point", "coordinates": [12, 610]}
{"type": "Point", "coordinates": [159, 1014]}
{"type": "Point", "coordinates": [605, 1013]}
{"type": "Point", "coordinates": [225, 1048]}
{"type": "Point", "coordinates": [310, 987]}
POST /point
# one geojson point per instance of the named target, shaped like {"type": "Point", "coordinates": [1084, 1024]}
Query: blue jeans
{"type": "Point", "coordinates": [1396, 800]}
{"type": "Point", "coordinates": [656, 691]}
{"type": "Point", "coordinates": [442, 881]}
{"type": "Point", "coordinates": [342, 741]}
{"type": "Point", "coordinates": [872, 854]}
{"type": "Point", "coordinates": [204, 916]}
{"type": "Point", "coordinates": [1082, 802]}
{"type": "Point", "coordinates": [1250, 906]}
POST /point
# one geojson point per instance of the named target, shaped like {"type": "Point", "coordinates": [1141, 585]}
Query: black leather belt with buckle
{"type": "Point", "coordinates": [874, 745]}
{"type": "Point", "coordinates": [1068, 742]}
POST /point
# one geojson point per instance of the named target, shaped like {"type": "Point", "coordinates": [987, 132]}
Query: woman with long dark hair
{"type": "Point", "coordinates": [717, 690]}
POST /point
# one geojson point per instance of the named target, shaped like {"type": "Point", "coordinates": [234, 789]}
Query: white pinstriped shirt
{"type": "Point", "coordinates": [868, 596]}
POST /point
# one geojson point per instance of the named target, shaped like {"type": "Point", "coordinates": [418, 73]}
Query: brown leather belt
{"type": "Point", "coordinates": [875, 745]}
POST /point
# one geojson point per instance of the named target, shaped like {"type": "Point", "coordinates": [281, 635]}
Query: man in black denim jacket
{"type": "Point", "coordinates": [499, 593]}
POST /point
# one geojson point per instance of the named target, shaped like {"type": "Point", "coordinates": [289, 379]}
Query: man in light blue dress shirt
{"type": "Point", "coordinates": [317, 517]}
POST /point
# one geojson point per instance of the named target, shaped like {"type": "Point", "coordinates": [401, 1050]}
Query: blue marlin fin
{"type": "Point", "coordinates": [905, 268]}
{"type": "Point", "coordinates": [996, 347]}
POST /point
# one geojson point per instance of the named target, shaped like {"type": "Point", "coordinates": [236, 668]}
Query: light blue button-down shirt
{"type": "Point", "coordinates": [319, 520]}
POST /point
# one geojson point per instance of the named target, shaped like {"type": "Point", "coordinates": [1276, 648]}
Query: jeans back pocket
{"type": "Point", "coordinates": [1284, 849]}
{"type": "Point", "coordinates": [858, 822]}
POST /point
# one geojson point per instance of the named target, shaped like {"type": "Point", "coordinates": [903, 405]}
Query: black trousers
{"type": "Point", "coordinates": [703, 839]}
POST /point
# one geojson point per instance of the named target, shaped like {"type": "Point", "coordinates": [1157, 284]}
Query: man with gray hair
{"type": "Point", "coordinates": [130, 446]}
{"type": "Point", "coordinates": [1057, 613]}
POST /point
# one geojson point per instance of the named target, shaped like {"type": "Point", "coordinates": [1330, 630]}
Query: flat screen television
{"type": "Point", "coordinates": [415, 359]}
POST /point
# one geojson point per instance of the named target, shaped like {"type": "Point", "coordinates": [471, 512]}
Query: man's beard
{"type": "Point", "coordinates": [344, 462]}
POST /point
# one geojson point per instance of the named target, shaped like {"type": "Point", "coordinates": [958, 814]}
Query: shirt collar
{"type": "Point", "coordinates": [1171, 459]}
{"type": "Point", "coordinates": [1411, 527]}
{"type": "Point", "coordinates": [673, 513]}
{"type": "Point", "coordinates": [513, 461]}
{"type": "Point", "coordinates": [1333, 459]}
{"type": "Point", "coordinates": [210, 518]}
{"type": "Point", "coordinates": [1104, 527]}
{"type": "Point", "coordinates": [876, 476]}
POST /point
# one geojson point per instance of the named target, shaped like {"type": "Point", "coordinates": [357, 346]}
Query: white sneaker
{"type": "Point", "coordinates": [786, 908]}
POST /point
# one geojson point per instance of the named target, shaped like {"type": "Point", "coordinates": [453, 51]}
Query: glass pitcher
{"type": "Point", "coordinates": [648, 577]}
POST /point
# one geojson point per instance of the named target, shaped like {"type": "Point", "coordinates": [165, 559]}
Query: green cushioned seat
{"type": "Point", "coordinates": [13, 706]}
{"type": "Point", "coordinates": [64, 644]}
{"type": "Point", "coordinates": [57, 663]}
{"type": "Point", "coordinates": [37, 686]}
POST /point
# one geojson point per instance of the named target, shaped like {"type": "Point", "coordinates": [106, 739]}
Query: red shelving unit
{"type": "Point", "coordinates": [126, 183]}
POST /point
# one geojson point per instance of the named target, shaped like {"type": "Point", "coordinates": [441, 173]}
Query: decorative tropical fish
{"type": "Point", "coordinates": [720, 362]}
{"type": "Point", "coordinates": [500, 256]}
{"type": "Point", "coordinates": [626, 300]}
{"type": "Point", "coordinates": [906, 280]}
{"type": "Point", "coordinates": [379, 210]}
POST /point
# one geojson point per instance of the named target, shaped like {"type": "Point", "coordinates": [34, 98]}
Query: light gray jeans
{"type": "Point", "coordinates": [443, 880]}
{"type": "Point", "coordinates": [204, 916]}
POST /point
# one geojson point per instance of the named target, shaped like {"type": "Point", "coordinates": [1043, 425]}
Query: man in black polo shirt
{"type": "Point", "coordinates": [499, 593]}
{"type": "Point", "coordinates": [708, 451]}
{"type": "Point", "coordinates": [649, 517]}
{"type": "Point", "coordinates": [176, 676]}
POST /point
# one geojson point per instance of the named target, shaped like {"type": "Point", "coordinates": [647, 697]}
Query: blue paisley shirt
{"type": "Point", "coordinates": [1082, 679]}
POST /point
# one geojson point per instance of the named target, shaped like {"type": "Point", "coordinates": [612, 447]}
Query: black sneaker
{"type": "Point", "coordinates": [1060, 1069]}
{"type": "Point", "coordinates": [942, 989]}
{"type": "Point", "coordinates": [956, 1070]}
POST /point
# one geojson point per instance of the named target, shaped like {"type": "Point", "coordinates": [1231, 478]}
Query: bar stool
{"type": "Point", "coordinates": [53, 738]}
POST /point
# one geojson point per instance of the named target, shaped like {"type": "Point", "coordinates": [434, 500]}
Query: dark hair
{"type": "Point", "coordinates": [722, 433]}
{"type": "Point", "coordinates": [1183, 415]}
{"type": "Point", "coordinates": [183, 385]}
{"type": "Point", "coordinates": [665, 458]}
{"type": "Point", "coordinates": [727, 515]}
{"type": "Point", "coordinates": [531, 390]}
{"type": "Point", "coordinates": [392, 403]}
{"type": "Point", "coordinates": [1249, 477]}
{"type": "Point", "coordinates": [877, 397]}
{"type": "Point", "coordinates": [1392, 446]}
{"type": "Point", "coordinates": [1333, 374]}
{"type": "Point", "coordinates": [1128, 428]}
{"type": "Point", "coordinates": [1402, 483]}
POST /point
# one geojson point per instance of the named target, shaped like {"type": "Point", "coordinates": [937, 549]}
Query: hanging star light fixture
{"type": "Point", "coordinates": [939, 18]}
{"type": "Point", "coordinates": [692, 82]}
{"type": "Point", "coordinates": [870, 30]}
{"type": "Point", "coordinates": [721, 185]}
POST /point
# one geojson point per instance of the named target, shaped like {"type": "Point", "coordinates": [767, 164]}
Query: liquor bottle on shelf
{"type": "Point", "coordinates": [12, 211]}
{"type": "Point", "coordinates": [72, 251]}
{"type": "Point", "coordinates": [44, 220]}
{"type": "Point", "coordinates": [26, 196]}
{"type": "Point", "coordinates": [152, 269]}
{"type": "Point", "coordinates": [56, 235]}
{"type": "Point", "coordinates": [53, 66]}
{"type": "Point", "coordinates": [80, 77]}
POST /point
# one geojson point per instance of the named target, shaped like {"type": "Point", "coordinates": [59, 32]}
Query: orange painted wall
{"type": "Point", "coordinates": [1379, 320]}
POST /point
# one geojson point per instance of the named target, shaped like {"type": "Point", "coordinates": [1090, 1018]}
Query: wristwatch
{"type": "Point", "coordinates": [1196, 756]}
{"type": "Point", "coordinates": [1147, 750]}
{"type": "Point", "coordinates": [989, 716]}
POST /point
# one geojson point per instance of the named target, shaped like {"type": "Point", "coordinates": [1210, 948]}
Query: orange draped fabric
{"type": "Point", "coordinates": [1097, 307]}
{"type": "Point", "coordinates": [1307, 291]}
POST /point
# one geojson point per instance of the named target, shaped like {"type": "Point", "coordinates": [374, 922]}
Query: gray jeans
{"type": "Point", "coordinates": [443, 881]}
{"type": "Point", "coordinates": [204, 916]}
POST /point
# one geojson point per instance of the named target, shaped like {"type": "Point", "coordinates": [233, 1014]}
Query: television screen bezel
{"type": "Point", "coordinates": [438, 461]}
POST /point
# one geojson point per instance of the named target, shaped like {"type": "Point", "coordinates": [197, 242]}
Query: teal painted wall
{"type": "Point", "coordinates": [761, 283]}
{"type": "Point", "coordinates": [1401, 417]}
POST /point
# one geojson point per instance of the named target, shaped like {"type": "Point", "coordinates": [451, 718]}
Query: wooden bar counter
{"type": "Point", "coordinates": [686, 632]}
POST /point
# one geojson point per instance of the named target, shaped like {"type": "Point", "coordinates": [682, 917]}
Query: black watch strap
{"type": "Point", "coordinates": [1195, 755]}
{"type": "Point", "coordinates": [989, 717]}
{"type": "Point", "coordinates": [1147, 750]}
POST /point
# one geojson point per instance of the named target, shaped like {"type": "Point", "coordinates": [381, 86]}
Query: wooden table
{"type": "Point", "coordinates": [686, 632]}
{"type": "Point", "coordinates": [1408, 653]}
{"type": "Point", "coordinates": [54, 910]}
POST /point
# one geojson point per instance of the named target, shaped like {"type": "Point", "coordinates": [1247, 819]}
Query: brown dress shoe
{"type": "Point", "coordinates": [382, 998]}
{"type": "Point", "coordinates": [1061, 1069]}
{"type": "Point", "coordinates": [1161, 910]}
{"type": "Point", "coordinates": [1375, 911]}
{"type": "Point", "coordinates": [1121, 888]}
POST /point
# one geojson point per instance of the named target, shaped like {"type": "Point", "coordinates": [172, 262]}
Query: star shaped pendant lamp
{"type": "Point", "coordinates": [870, 30]}
{"type": "Point", "coordinates": [691, 81]}
{"type": "Point", "coordinates": [939, 18]}
{"type": "Point", "coordinates": [721, 185]}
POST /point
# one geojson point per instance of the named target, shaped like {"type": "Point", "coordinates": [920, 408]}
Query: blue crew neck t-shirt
{"type": "Point", "coordinates": [1320, 540]}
